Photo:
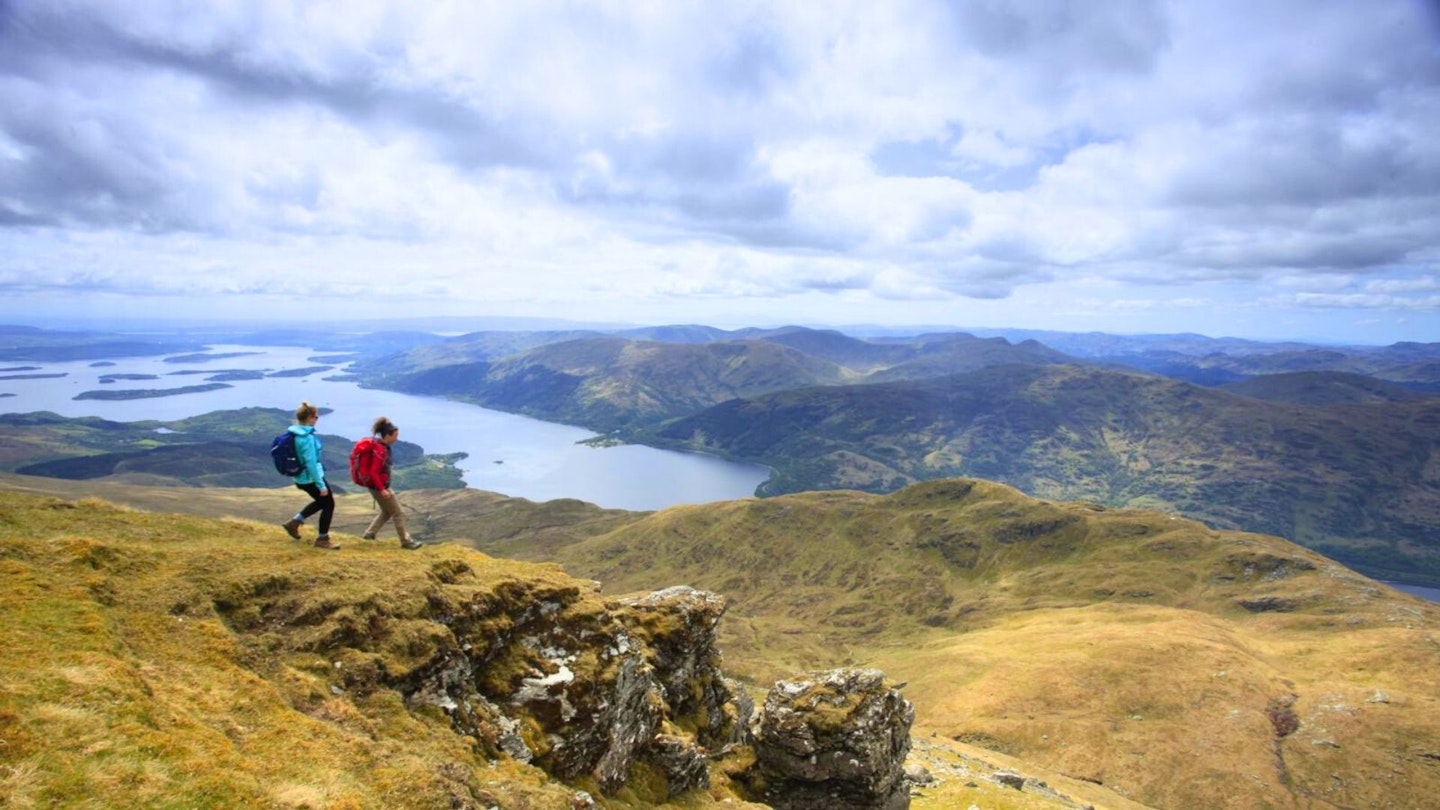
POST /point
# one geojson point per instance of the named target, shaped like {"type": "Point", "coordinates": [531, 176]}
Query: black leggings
{"type": "Point", "coordinates": [324, 504]}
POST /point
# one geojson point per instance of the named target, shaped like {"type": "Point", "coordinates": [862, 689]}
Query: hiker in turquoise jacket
{"type": "Point", "coordinates": [311, 479]}
{"type": "Point", "coordinates": [307, 448]}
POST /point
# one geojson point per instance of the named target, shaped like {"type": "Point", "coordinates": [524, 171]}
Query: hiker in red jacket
{"type": "Point", "coordinates": [370, 468]}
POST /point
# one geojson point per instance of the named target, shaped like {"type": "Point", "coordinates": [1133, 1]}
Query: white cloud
{"type": "Point", "coordinates": [839, 154]}
{"type": "Point", "coordinates": [991, 148]}
{"type": "Point", "coordinates": [1408, 285]}
{"type": "Point", "coordinates": [1366, 301]}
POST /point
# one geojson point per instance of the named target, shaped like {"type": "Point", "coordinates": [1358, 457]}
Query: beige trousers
{"type": "Point", "coordinates": [390, 510]}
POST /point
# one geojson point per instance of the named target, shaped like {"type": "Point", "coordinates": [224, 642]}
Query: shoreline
{"type": "Point", "coordinates": [1422, 591]}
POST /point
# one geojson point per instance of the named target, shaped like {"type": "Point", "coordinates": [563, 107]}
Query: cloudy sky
{"type": "Point", "coordinates": [1258, 168]}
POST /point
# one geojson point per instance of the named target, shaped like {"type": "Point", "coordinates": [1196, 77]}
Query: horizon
{"type": "Point", "coordinates": [454, 326]}
{"type": "Point", "coordinates": [1149, 167]}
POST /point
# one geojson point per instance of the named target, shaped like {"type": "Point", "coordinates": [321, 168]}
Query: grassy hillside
{"type": "Point", "coordinates": [1329, 456]}
{"type": "Point", "coordinates": [1129, 653]}
{"type": "Point", "coordinates": [1180, 666]}
{"type": "Point", "coordinates": [510, 527]}
{"type": "Point", "coordinates": [1360, 481]}
{"type": "Point", "coordinates": [134, 677]}
{"type": "Point", "coordinates": [162, 660]}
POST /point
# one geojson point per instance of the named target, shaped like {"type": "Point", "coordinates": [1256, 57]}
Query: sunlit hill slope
{"type": "Point", "coordinates": [1181, 666]}
{"type": "Point", "coordinates": [1137, 652]}
{"type": "Point", "coordinates": [164, 660]}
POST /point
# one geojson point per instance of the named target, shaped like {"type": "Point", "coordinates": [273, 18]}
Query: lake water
{"type": "Point", "coordinates": [1433, 594]}
{"type": "Point", "coordinates": [509, 454]}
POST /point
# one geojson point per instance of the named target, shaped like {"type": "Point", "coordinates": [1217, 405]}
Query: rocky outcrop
{"type": "Point", "coordinates": [834, 741]}
{"type": "Point", "coordinates": [546, 679]}
{"type": "Point", "coordinates": [677, 626]}
{"type": "Point", "coordinates": [624, 692]}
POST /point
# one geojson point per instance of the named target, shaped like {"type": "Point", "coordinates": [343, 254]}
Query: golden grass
{"type": "Point", "coordinates": [123, 684]}
{"type": "Point", "coordinates": [1108, 645]}
{"type": "Point", "coordinates": [966, 776]}
{"type": "Point", "coordinates": [1109, 649]}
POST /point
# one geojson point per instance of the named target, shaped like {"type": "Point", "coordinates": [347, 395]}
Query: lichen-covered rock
{"type": "Point", "coordinates": [546, 677]}
{"type": "Point", "coordinates": [678, 628]}
{"type": "Point", "coordinates": [449, 686]}
{"type": "Point", "coordinates": [615, 716]}
{"type": "Point", "coordinates": [739, 713]}
{"type": "Point", "coordinates": [684, 765]}
{"type": "Point", "coordinates": [835, 740]}
{"type": "Point", "coordinates": [582, 689]}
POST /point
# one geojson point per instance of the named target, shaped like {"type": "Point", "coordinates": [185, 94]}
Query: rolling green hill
{"type": "Point", "coordinates": [607, 383]}
{"type": "Point", "coordinates": [1361, 482]}
{"type": "Point", "coordinates": [1322, 388]}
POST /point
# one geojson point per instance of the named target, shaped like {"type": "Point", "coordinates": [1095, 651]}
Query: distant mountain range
{"type": "Point", "coordinates": [1335, 448]}
{"type": "Point", "coordinates": [1322, 388]}
{"type": "Point", "coordinates": [611, 382]}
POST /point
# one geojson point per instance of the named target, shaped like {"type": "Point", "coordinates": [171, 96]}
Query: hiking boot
{"type": "Point", "coordinates": [323, 541]}
{"type": "Point", "coordinates": [410, 543]}
{"type": "Point", "coordinates": [292, 527]}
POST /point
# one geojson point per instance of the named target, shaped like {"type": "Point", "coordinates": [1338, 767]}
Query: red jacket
{"type": "Point", "coordinates": [370, 464]}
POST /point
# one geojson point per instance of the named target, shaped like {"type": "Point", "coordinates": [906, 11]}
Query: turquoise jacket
{"type": "Point", "coordinates": [307, 448]}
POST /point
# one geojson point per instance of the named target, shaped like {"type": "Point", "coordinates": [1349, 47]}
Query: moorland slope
{"type": "Point", "coordinates": [1172, 664]}
{"type": "Point", "coordinates": [165, 660]}
{"type": "Point", "coordinates": [1181, 666]}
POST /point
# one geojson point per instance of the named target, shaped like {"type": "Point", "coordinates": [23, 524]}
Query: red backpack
{"type": "Point", "coordinates": [364, 462]}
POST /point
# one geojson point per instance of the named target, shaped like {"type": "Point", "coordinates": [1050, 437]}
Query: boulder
{"type": "Point", "coordinates": [678, 625]}
{"type": "Point", "coordinates": [684, 765]}
{"type": "Point", "coordinates": [834, 740]}
{"type": "Point", "coordinates": [543, 677]}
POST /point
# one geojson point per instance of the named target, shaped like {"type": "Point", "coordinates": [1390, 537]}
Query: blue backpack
{"type": "Point", "coordinates": [282, 452]}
